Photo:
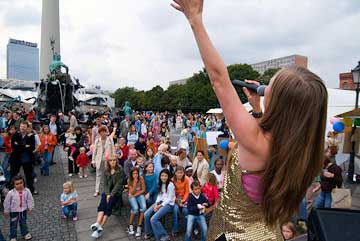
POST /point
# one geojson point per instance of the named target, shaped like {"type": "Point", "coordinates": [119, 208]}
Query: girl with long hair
{"type": "Point", "coordinates": [136, 200]}
{"type": "Point", "coordinates": [113, 188]}
{"type": "Point", "coordinates": [289, 136]}
{"type": "Point", "coordinates": [164, 204]}
{"type": "Point", "coordinates": [150, 183]}
{"type": "Point", "coordinates": [182, 191]}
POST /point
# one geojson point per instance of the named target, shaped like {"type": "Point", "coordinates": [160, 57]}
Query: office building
{"type": "Point", "coordinates": [282, 62]}
{"type": "Point", "coordinates": [22, 60]}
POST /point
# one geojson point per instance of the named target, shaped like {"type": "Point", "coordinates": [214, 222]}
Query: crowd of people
{"type": "Point", "coordinates": [131, 154]}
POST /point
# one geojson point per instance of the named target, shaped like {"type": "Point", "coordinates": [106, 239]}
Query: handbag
{"type": "Point", "coordinates": [341, 198]}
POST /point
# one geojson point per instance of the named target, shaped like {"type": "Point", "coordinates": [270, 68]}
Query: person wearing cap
{"type": "Point", "coordinates": [140, 145]}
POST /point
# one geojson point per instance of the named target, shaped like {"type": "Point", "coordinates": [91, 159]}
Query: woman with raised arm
{"type": "Point", "coordinates": [277, 157]}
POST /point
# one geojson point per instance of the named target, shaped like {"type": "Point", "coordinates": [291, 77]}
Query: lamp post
{"type": "Point", "coordinates": [356, 78]}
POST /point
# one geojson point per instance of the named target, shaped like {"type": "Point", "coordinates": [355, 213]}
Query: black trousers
{"type": "Point", "coordinates": [28, 168]}
{"type": "Point", "coordinates": [73, 168]}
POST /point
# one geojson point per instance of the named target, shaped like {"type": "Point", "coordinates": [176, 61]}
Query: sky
{"type": "Point", "coordinates": [145, 43]}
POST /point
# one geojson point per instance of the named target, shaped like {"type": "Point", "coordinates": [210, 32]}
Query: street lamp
{"type": "Point", "coordinates": [356, 78]}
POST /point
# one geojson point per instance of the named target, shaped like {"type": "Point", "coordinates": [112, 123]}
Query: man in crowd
{"type": "Point", "coordinates": [130, 163]}
{"type": "Point", "coordinates": [140, 145]}
{"type": "Point", "coordinates": [124, 126]}
{"type": "Point", "coordinates": [22, 156]}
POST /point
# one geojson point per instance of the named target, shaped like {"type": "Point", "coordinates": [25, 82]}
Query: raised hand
{"type": "Point", "coordinates": [191, 8]}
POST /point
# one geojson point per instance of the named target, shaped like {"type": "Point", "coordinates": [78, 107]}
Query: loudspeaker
{"type": "Point", "coordinates": [334, 225]}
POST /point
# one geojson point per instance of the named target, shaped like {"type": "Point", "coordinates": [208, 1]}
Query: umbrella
{"type": "Point", "coordinates": [355, 113]}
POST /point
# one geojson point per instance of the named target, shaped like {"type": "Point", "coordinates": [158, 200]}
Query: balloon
{"type": "Point", "coordinates": [347, 122]}
{"type": "Point", "coordinates": [339, 126]}
{"type": "Point", "coordinates": [333, 120]}
{"type": "Point", "coordinates": [224, 144]}
{"type": "Point", "coordinates": [348, 129]}
{"type": "Point", "coordinates": [357, 122]}
{"type": "Point", "coordinates": [92, 148]}
{"type": "Point", "coordinates": [231, 144]}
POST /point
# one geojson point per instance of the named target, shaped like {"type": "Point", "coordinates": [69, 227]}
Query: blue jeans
{"type": "Point", "coordinates": [189, 227]}
{"type": "Point", "coordinates": [323, 200]}
{"type": "Point", "coordinates": [303, 210]}
{"type": "Point", "coordinates": [47, 158]}
{"type": "Point", "coordinates": [136, 202]}
{"type": "Point", "coordinates": [152, 221]}
{"type": "Point", "coordinates": [72, 208]}
{"type": "Point", "coordinates": [150, 201]}
{"type": "Point", "coordinates": [175, 218]}
{"type": "Point", "coordinates": [16, 218]}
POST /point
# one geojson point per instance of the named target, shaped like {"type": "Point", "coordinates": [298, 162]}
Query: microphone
{"type": "Point", "coordinates": [258, 89]}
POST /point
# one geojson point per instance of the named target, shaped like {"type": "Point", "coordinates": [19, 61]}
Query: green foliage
{"type": "Point", "coordinates": [196, 95]}
{"type": "Point", "coordinates": [266, 77]}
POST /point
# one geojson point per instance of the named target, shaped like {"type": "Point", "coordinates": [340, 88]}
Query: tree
{"type": "Point", "coordinates": [196, 95]}
{"type": "Point", "coordinates": [266, 77]}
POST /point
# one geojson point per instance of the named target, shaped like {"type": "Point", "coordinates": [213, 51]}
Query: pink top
{"type": "Point", "coordinates": [211, 192]}
{"type": "Point", "coordinates": [251, 185]}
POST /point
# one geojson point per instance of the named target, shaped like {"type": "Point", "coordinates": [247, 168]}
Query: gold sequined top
{"type": "Point", "coordinates": [236, 216]}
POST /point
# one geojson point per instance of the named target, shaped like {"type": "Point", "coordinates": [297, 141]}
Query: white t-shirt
{"type": "Point", "coordinates": [219, 178]}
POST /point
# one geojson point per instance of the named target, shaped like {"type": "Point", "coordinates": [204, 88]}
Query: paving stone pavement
{"type": "Point", "coordinates": [45, 223]}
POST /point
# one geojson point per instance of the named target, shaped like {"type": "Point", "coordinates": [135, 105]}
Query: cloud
{"type": "Point", "coordinates": [22, 16]}
{"type": "Point", "coordinates": [145, 43]}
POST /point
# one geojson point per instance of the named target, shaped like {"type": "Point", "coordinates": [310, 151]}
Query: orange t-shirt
{"type": "Point", "coordinates": [182, 188]}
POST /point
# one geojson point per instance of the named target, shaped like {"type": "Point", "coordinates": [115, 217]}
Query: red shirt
{"type": "Point", "coordinates": [82, 160]}
{"type": "Point", "coordinates": [125, 151]}
{"type": "Point", "coordinates": [7, 144]}
{"type": "Point", "coordinates": [211, 192]}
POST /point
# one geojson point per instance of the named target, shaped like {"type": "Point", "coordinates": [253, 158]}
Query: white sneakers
{"type": "Point", "coordinates": [98, 230]}
{"type": "Point", "coordinates": [132, 232]}
{"type": "Point", "coordinates": [138, 232]}
{"type": "Point", "coordinates": [131, 229]}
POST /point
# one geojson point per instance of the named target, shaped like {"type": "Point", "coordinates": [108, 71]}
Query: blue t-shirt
{"type": "Point", "coordinates": [66, 197]}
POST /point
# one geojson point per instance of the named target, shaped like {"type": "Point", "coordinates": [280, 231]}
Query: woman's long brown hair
{"type": "Point", "coordinates": [296, 117]}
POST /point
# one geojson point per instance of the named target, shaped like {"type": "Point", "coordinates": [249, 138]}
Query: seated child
{"type": "Point", "coordinates": [197, 202]}
{"type": "Point", "coordinates": [68, 201]}
{"type": "Point", "coordinates": [288, 231]}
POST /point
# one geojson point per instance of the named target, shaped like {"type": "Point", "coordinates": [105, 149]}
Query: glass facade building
{"type": "Point", "coordinates": [22, 60]}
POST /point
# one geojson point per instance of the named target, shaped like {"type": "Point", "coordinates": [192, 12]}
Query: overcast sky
{"type": "Point", "coordinates": [144, 43]}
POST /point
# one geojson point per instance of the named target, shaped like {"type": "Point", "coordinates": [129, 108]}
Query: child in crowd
{"type": "Point", "coordinates": [219, 173]}
{"type": "Point", "coordinates": [172, 165]}
{"type": "Point", "coordinates": [113, 188]}
{"type": "Point", "coordinates": [118, 152]}
{"type": "Point", "coordinates": [149, 154]}
{"type": "Point", "coordinates": [140, 164]}
{"type": "Point", "coordinates": [210, 190]}
{"type": "Point", "coordinates": [288, 231]}
{"type": "Point", "coordinates": [151, 144]}
{"type": "Point", "coordinates": [18, 203]}
{"type": "Point", "coordinates": [189, 174]}
{"type": "Point", "coordinates": [150, 183]}
{"type": "Point", "coordinates": [182, 190]}
{"type": "Point", "coordinates": [68, 201]}
{"type": "Point", "coordinates": [196, 205]}
{"type": "Point", "coordinates": [136, 200]}
{"type": "Point", "coordinates": [164, 204]}
{"type": "Point", "coordinates": [82, 162]}
{"type": "Point", "coordinates": [70, 140]}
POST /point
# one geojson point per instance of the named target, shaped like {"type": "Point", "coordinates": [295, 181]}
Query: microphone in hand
{"type": "Point", "coordinates": [258, 89]}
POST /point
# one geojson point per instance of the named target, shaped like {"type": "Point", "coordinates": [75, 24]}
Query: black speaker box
{"type": "Point", "coordinates": [334, 225]}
